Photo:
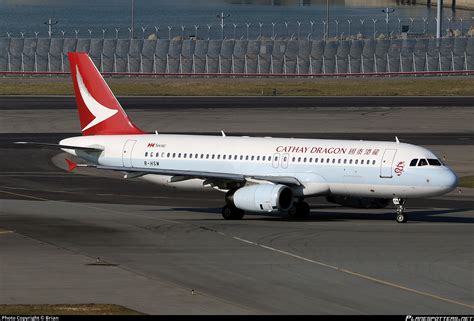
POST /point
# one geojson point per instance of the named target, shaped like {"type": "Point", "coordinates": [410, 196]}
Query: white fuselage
{"type": "Point", "coordinates": [325, 167]}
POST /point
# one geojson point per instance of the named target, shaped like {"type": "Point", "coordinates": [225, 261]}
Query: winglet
{"type": "Point", "coordinates": [71, 165]}
{"type": "Point", "coordinates": [396, 139]}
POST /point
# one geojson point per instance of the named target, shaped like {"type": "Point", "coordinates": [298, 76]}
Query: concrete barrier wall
{"type": "Point", "coordinates": [241, 56]}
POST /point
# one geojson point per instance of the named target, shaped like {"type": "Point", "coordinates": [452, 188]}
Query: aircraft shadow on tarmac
{"type": "Point", "coordinates": [323, 215]}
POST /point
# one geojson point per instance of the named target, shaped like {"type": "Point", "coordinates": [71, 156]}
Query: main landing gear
{"type": "Point", "coordinates": [232, 213]}
{"type": "Point", "coordinates": [299, 209]}
{"type": "Point", "coordinates": [401, 217]}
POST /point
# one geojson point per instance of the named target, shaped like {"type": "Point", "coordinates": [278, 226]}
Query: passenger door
{"type": "Point", "coordinates": [387, 163]}
{"type": "Point", "coordinates": [127, 153]}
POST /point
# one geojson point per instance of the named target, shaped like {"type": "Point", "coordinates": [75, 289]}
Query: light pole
{"type": "Point", "coordinates": [362, 26]}
{"type": "Point", "coordinates": [50, 23]}
{"type": "Point", "coordinates": [260, 33]}
{"type": "Point", "coordinates": [117, 32]}
{"type": "Point", "coordinates": [36, 34]}
{"type": "Point", "coordinates": [273, 30]}
{"type": "Point", "coordinates": [90, 33]}
{"type": "Point", "coordinates": [327, 19]}
{"type": "Point", "coordinates": [312, 27]}
{"type": "Point", "coordinates": [337, 28]}
{"type": "Point", "coordinates": [143, 31]}
{"type": "Point", "coordinates": [349, 21]}
{"type": "Point", "coordinates": [222, 16]}
{"type": "Point", "coordinates": [103, 33]}
{"type": "Point", "coordinates": [169, 32]}
{"type": "Point", "coordinates": [76, 31]}
{"type": "Point", "coordinates": [132, 27]}
{"type": "Point", "coordinates": [299, 29]}
{"type": "Point", "coordinates": [439, 17]}
{"type": "Point", "coordinates": [183, 28]}
{"type": "Point", "coordinates": [248, 27]}
{"type": "Point", "coordinates": [286, 26]}
{"type": "Point", "coordinates": [387, 12]}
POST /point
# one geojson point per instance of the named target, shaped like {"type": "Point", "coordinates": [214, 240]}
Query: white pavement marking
{"type": "Point", "coordinates": [401, 287]}
{"type": "Point", "coordinates": [360, 275]}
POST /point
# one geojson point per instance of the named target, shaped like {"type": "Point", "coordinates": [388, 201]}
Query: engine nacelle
{"type": "Point", "coordinates": [261, 198]}
{"type": "Point", "coordinates": [358, 202]}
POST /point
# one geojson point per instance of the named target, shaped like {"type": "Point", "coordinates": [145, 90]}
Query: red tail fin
{"type": "Point", "coordinates": [99, 111]}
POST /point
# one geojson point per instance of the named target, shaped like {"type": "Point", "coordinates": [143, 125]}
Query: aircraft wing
{"type": "Point", "coordinates": [86, 149]}
{"type": "Point", "coordinates": [286, 180]}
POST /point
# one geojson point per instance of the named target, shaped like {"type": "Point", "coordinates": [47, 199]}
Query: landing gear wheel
{"type": "Point", "coordinates": [232, 213]}
{"type": "Point", "coordinates": [401, 218]}
{"type": "Point", "coordinates": [400, 204]}
{"type": "Point", "coordinates": [299, 210]}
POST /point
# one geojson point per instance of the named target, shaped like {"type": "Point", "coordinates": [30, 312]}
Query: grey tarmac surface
{"type": "Point", "coordinates": [160, 243]}
{"type": "Point", "coordinates": [173, 103]}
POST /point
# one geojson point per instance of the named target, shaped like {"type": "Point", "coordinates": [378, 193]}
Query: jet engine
{"type": "Point", "coordinates": [261, 198]}
{"type": "Point", "coordinates": [358, 202]}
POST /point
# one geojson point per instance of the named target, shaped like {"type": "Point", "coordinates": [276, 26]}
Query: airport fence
{"type": "Point", "coordinates": [242, 57]}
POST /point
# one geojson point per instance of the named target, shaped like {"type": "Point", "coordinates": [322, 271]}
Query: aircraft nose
{"type": "Point", "coordinates": [449, 180]}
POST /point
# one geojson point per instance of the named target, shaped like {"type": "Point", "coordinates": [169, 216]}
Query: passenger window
{"type": "Point", "coordinates": [196, 156]}
{"type": "Point", "coordinates": [293, 159]}
{"type": "Point", "coordinates": [219, 156]}
{"type": "Point", "coordinates": [258, 158]}
{"type": "Point", "coordinates": [179, 155]}
{"type": "Point", "coordinates": [151, 154]}
{"type": "Point", "coordinates": [310, 160]}
{"type": "Point", "coordinates": [207, 156]}
{"type": "Point", "coordinates": [146, 154]}
{"type": "Point", "coordinates": [168, 155]}
{"type": "Point", "coordinates": [315, 160]}
{"type": "Point", "coordinates": [223, 156]}
{"type": "Point", "coordinates": [373, 162]}
{"type": "Point", "coordinates": [202, 156]}
{"type": "Point", "coordinates": [356, 161]}
{"type": "Point", "coordinates": [184, 156]}
{"type": "Point", "coordinates": [413, 162]}
{"type": "Point", "coordinates": [247, 157]}
{"type": "Point", "coordinates": [174, 155]}
{"type": "Point", "coordinates": [350, 161]}
{"type": "Point", "coordinates": [213, 156]}
{"type": "Point", "coordinates": [422, 162]}
{"type": "Point", "coordinates": [190, 155]}
{"type": "Point", "coordinates": [333, 160]}
{"type": "Point", "coordinates": [304, 160]}
{"type": "Point", "coordinates": [345, 160]}
{"type": "Point", "coordinates": [252, 158]}
{"type": "Point", "coordinates": [339, 161]}
{"type": "Point", "coordinates": [263, 158]}
{"type": "Point", "coordinates": [299, 159]}
{"type": "Point", "coordinates": [434, 162]}
{"type": "Point", "coordinates": [235, 157]}
{"type": "Point", "coordinates": [269, 158]}
{"type": "Point", "coordinates": [362, 162]}
{"type": "Point", "coordinates": [241, 157]}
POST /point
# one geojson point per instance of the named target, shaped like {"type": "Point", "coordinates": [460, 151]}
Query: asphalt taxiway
{"type": "Point", "coordinates": [156, 245]}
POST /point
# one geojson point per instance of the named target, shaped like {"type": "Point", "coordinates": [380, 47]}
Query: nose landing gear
{"type": "Point", "coordinates": [401, 217]}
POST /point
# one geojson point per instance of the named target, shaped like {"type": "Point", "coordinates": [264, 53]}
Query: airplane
{"type": "Point", "coordinates": [257, 174]}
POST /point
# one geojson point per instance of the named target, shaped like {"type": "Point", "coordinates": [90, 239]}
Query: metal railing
{"type": "Point", "coordinates": [342, 28]}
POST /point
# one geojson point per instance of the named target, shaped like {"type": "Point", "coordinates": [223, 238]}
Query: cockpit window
{"type": "Point", "coordinates": [434, 162]}
{"type": "Point", "coordinates": [422, 162]}
{"type": "Point", "coordinates": [413, 162]}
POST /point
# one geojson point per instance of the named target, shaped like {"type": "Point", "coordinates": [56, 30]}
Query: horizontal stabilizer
{"type": "Point", "coordinates": [86, 149]}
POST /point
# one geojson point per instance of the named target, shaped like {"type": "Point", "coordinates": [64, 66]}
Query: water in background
{"type": "Point", "coordinates": [101, 17]}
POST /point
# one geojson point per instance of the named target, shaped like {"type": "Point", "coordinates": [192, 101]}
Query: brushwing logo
{"type": "Point", "coordinates": [99, 111]}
